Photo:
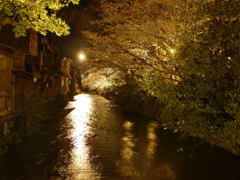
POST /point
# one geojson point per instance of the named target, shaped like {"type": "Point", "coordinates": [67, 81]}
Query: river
{"type": "Point", "coordinates": [91, 139]}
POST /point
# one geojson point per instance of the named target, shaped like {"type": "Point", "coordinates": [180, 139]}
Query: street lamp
{"type": "Point", "coordinates": [81, 56]}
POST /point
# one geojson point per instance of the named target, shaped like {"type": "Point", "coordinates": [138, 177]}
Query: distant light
{"type": "Point", "coordinates": [81, 56]}
{"type": "Point", "coordinates": [35, 79]}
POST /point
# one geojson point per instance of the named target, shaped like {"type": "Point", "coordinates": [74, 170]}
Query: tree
{"type": "Point", "coordinates": [40, 15]}
{"type": "Point", "coordinates": [206, 103]}
{"type": "Point", "coordinates": [101, 80]}
{"type": "Point", "coordinates": [185, 53]}
{"type": "Point", "coordinates": [136, 37]}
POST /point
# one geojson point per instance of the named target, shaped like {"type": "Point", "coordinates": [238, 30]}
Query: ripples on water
{"type": "Point", "coordinates": [96, 141]}
{"type": "Point", "coordinates": [104, 144]}
{"type": "Point", "coordinates": [107, 144]}
{"type": "Point", "coordinates": [78, 128]}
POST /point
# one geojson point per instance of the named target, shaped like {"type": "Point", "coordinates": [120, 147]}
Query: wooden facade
{"type": "Point", "coordinates": [26, 62]}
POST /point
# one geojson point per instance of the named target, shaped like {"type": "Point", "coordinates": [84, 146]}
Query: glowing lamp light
{"type": "Point", "coordinates": [81, 56]}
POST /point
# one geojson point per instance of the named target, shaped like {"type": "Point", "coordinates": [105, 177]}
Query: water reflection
{"type": "Point", "coordinates": [95, 142]}
{"type": "Point", "coordinates": [163, 170]}
{"type": "Point", "coordinates": [79, 165]}
{"type": "Point", "coordinates": [138, 146]}
{"type": "Point", "coordinates": [138, 155]}
{"type": "Point", "coordinates": [152, 140]}
{"type": "Point", "coordinates": [127, 162]}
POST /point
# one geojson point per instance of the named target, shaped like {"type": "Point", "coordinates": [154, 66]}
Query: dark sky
{"type": "Point", "coordinates": [77, 17]}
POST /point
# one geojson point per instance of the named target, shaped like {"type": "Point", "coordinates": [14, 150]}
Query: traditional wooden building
{"type": "Point", "coordinates": [18, 61]}
{"type": "Point", "coordinates": [66, 75]}
{"type": "Point", "coordinates": [50, 58]}
{"type": "Point", "coordinates": [25, 63]}
{"type": "Point", "coordinates": [19, 58]}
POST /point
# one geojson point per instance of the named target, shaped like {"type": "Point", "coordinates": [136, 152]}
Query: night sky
{"type": "Point", "coordinates": [77, 17]}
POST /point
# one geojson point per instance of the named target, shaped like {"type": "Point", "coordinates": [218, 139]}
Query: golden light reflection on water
{"type": "Point", "coordinates": [80, 166]}
{"type": "Point", "coordinates": [164, 170]}
{"type": "Point", "coordinates": [128, 154]}
{"type": "Point", "coordinates": [137, 153]}
{"type": "Point", "coordinates": [131, 156]}
{"type": "Point", "coordinates": [152, 140]}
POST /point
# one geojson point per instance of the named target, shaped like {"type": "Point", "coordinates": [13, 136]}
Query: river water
{"type": "Point", "coordinates": [91, 139]}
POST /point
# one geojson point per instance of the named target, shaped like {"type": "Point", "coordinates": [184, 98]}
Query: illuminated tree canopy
{"type": "Point", "coordinates": [40, 15]}
{"type": "Point", "coordinates": [133, 35]}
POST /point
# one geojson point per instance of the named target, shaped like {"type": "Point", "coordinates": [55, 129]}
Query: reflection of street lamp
{"type": "Point", "coordinates": [81, 56]}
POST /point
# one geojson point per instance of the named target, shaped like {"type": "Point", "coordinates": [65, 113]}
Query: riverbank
{"type": "Point", "coordinates": [135, 100]}
{"type": "Point", "coordinates": [17, 126]}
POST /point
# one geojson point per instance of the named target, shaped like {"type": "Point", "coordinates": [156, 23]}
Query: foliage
{"type": "Point", "coordinates": [8, 142]}
{"type": "Point", "coordinates": [26, 123]}
{"type": "Point", "coordinates": [101, 79]}
{"type": "Point", "coordinates": [33, 112]}
{"type": "Point", "coordinates": [206, 102]}
{"type": "Point", "coordinates": [40, 15]}
{"type": "Point", "coordinates": [132, 36]}
{"type": "Point", "coordinates": [185, 53]}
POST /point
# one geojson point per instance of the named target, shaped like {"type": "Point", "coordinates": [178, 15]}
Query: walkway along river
{"type": "Point", "coordinates": [92, 140]}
